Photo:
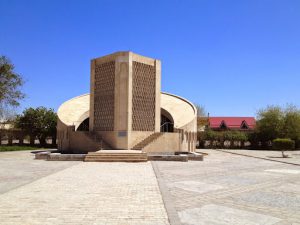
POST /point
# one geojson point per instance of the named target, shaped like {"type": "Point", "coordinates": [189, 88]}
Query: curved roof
{"type": "Point", "coordinates": [75, 110]}
{"type": "Point", "coordinates": [72, 111]}
{"type": "Point", "coordinates": [180, 109]}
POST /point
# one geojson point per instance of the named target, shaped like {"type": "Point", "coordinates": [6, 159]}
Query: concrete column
{"type": "Point", "coordinates": [92, 88]}
{"type": "Point", "coordinates": [122, 109]}
{"type": "Point", "coordinates": [157, 64]}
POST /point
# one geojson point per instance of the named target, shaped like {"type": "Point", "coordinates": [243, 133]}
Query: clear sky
{"type": "Point", "coordinates": [233, 57]}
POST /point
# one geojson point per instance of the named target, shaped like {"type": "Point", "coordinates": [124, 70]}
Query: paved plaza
{"type": "Point", "coordinates": [82, 193]}
{"type": "Point", "coordinates": [293, 156]}
{"type": "Point", "coordinates": [228, 189]}
{"type": "Point", "coordinates": [223, 189]}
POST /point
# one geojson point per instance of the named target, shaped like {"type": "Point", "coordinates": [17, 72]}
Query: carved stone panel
{"type": "Point", "coordinates": [143, 97]}
{"type": "Point", "coordinates": [104, 96]}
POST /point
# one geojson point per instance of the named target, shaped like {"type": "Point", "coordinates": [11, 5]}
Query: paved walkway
{"type": "Point", "coordinates": [87, 193]}
{"type": "Point", "coordinates": [227, 189]}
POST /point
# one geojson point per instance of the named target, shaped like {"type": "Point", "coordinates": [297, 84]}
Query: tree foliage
{"type": "Point", "coordinates": [10, 83]}
{"type": "Point", "coordinates": [291, 123]}
{"type": "Point", "coordinates": [283, 144]}
{"type": "Point", "coordinates": [39, 122]}
{"type": "Point", "coordinates": [270, 123]}
{"type": "Point", "coordinates": [277, 122]}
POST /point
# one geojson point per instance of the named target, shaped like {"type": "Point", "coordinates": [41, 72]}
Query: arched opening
{"type": "Point", "coordinates": [84, 126]}
{"type": "Point", "coordinates": [166, 121]}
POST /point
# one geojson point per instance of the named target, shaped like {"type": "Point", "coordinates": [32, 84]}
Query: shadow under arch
{"type": "Point", "coordinates": [166, 121]}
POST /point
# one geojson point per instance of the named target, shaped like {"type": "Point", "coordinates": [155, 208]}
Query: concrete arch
{"type": "Point", "coordinates": [181, 111]}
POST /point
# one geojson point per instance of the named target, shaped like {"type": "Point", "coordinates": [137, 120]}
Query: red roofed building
{"type": "Point", "coordinates": [231, 123]}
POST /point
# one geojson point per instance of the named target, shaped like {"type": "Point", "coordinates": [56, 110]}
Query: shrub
{"type": "Point", "coordinates": [283, 144]}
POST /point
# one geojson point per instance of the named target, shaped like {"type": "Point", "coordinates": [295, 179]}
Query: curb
{"type": "Point", "coordinates": [256, 157]}
{"type": "Point", "coordinates": [167, 198]}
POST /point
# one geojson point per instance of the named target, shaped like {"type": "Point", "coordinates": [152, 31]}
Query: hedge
{"type": "Point", "coordinates": [283, 144]}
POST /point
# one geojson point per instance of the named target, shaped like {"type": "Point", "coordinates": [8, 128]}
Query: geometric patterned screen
{"type": "Point", "coordinates": [104, 95]}
{"type": "Point", "coordinates": [143, 97]}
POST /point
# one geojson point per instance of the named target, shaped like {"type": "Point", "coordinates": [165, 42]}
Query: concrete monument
{"type": "Point", "coordinates": [126, 110]}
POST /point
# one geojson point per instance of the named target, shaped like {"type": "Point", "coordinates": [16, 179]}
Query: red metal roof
{"type": "Point", "coordinates": [231, 122]}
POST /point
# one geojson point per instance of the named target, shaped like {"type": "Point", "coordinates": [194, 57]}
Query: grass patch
{"type": "Point", "coordinates": [6, 148]}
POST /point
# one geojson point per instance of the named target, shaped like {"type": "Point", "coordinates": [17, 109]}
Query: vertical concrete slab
{"type": "Point", "coordinates": [121, 101]}
{"type": "Point", "coordinates": [92, 88]}
{"type": "Point", "coordinates": [157, 94]}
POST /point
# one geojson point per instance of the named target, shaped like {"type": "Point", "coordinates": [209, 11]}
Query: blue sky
{"type": "Point", "coordinates": [233, 57]}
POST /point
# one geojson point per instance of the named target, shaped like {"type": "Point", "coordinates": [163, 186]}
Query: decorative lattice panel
{"type": "Point", "coordinates": [143, 97]}
{"type": "Point", "coordinates": [104, 95]}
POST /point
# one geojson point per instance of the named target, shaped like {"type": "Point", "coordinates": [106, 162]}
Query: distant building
{"type": "Point", "coordinates": [232, 123]}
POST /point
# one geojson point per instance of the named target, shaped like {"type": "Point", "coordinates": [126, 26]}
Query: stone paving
{"type": "Point", "coordinates": [86, 193]}
{"type": "Point", "coordinates": [229, 189]}
{"type": "Point", "coordinates": [19, 168]}
{"type": "Point", "coordinates": [224, 189]}
{"type": "Point", "coordinates": [293, 156]}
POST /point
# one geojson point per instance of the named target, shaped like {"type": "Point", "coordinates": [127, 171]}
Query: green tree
{"type": "Point", "coordinates": [10, 83]}
{"type": "Point", "coordinates": [283, 144]}
{"type": "Point", "coordinates": [270, 122]}
{"type": "Point", "coordinates": [39, 122]}
{"type": "Point", "coordinates": [291, 124]}
{"type": "Point", "coordinates": [278, 122]}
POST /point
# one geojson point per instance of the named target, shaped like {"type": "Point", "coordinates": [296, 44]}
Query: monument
{"type": "Point", "coordinates": [126, 110]}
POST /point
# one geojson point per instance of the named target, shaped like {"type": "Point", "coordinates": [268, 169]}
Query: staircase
{"type": "Point", "coordinates": [147, 141]}
{"type": "Point", "coordinates": [98, 139]}
{"type": "Point", "coordinates": [116, 156]}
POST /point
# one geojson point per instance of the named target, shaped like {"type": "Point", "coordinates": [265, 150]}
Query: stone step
{"type": "Point", "coordinates": [111, 157]}
{"type": "Point", "coordinates": [133, 156]}
{"type": "Point", "coordinates": [98, 153]}
{"type": "Point", "coordinates": [115, 160]}
{"type": "Point", "coordinates": [116, 157]}
{"type": "Point", "coordinates": [120, 157]}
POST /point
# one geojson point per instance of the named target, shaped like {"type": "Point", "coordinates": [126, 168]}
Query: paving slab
{"type": "Point", "coordinates": [293, 156]}
{"type": "Point", "coordinates": [220, 215]}
{"type": "Point", "coordinates": [19, 168]}
{"type": "Point", "coordinates": [231, 189]}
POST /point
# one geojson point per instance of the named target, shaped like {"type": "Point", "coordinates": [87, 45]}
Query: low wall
{"type": "Point", "coordinates": [123, 140]}
{"type": "Point", "coordinates": [80, 142]}
{"type": "Point", "coordinates": [189, 136]}
{"type": "Point", "coordinates": [167, 142]}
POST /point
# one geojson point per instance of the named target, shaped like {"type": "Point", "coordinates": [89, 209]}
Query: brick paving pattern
{"type": "Point", "coordinates": [88, 193]}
